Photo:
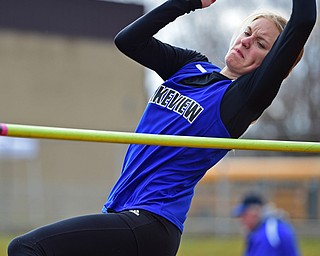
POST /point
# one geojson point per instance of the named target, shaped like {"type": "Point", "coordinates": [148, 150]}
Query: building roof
{"type": "Point", "coordinates": [76, 18]}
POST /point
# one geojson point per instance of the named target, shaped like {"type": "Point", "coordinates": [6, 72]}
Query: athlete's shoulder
{"type": "Point", "coordinates": [196, 68]}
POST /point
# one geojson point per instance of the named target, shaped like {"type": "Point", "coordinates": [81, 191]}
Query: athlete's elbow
{"type": "Point", "coordinates": [120, 41]}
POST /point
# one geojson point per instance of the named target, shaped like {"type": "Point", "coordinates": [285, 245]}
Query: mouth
{"type": "Point", "coordinates": [239, 52]}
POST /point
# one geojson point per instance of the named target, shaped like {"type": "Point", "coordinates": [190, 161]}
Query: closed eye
{"type": "Point", "coordinates": [261, 45]}
{"type": "Point", "coordinates": [246, 33]}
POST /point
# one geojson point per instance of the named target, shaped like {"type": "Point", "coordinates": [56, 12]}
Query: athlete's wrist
{"type": "Point", "coordinates": [194, 4]}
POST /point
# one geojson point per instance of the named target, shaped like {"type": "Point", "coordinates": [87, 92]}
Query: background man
{"type": "Point", "coordinates": [267, 232]}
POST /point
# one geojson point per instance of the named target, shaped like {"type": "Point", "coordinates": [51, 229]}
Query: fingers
{"type": "Point", "coordinates": [207, 3]}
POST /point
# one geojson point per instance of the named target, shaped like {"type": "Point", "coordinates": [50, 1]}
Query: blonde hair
{"type": "Point", "coordinates": [277, 19]}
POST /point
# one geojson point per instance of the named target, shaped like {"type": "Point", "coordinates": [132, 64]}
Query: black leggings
{"type": "Point", "coordinates": [128, 233]}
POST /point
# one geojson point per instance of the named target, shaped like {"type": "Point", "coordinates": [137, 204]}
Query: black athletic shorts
{"type": "Point", "coordinates": [128, 233]}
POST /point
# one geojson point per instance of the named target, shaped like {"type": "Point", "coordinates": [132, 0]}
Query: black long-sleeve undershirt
{"type": "Point", "coordinates": [249, 95]}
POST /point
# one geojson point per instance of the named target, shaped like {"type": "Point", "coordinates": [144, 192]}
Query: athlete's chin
{"type": "Point", "coordinates": [236, 69]}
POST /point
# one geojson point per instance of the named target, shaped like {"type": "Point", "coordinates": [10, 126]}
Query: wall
{"type": "Point", "coordinates": [64, 76]}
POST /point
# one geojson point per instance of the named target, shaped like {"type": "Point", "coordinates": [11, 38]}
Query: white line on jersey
{"type": "Point", "coordinates": [136, 212]}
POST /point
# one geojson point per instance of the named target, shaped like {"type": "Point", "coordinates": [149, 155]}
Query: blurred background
{"type": "Point", "coordinates": [59, 67]}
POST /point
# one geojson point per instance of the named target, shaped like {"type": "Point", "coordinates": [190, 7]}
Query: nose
{"type": "Point", "coordinates": [246, 42]}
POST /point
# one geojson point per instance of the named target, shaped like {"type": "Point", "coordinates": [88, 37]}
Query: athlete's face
{"type": "Point", "coordinates": [250, 47]}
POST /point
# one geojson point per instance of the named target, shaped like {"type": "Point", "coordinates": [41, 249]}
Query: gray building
{"type": "Point", "coordinates": [59, 67]}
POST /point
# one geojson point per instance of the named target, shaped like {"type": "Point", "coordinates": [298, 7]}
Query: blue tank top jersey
{"type": "Point", "coordinates": [162, 179]}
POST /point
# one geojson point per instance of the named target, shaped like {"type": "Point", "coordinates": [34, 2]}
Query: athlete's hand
{"type": "Point", "coordinates": [207, 3]}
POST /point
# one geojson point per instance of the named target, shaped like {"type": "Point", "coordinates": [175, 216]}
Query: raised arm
{"type": "Point", "coordinates": [275, 67]}
{"type": "Point", "coordinates": [255, 91]}
{"type": "Point", "coordinates": [137, 41]}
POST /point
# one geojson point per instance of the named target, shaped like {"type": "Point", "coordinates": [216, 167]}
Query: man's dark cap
{"type": "Point", "coordinates": [248, 201]}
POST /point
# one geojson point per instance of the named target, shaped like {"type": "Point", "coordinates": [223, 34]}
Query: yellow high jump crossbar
{"type": "Point", "coordinates": [58, 133]}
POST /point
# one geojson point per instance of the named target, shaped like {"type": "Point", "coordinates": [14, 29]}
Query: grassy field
{"type": "Point", "coordinates": [4, 240]}
{"type": "Point", "coordinates": [234, 246]}
{"type": "Point", "coordinates": [210, 246]}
